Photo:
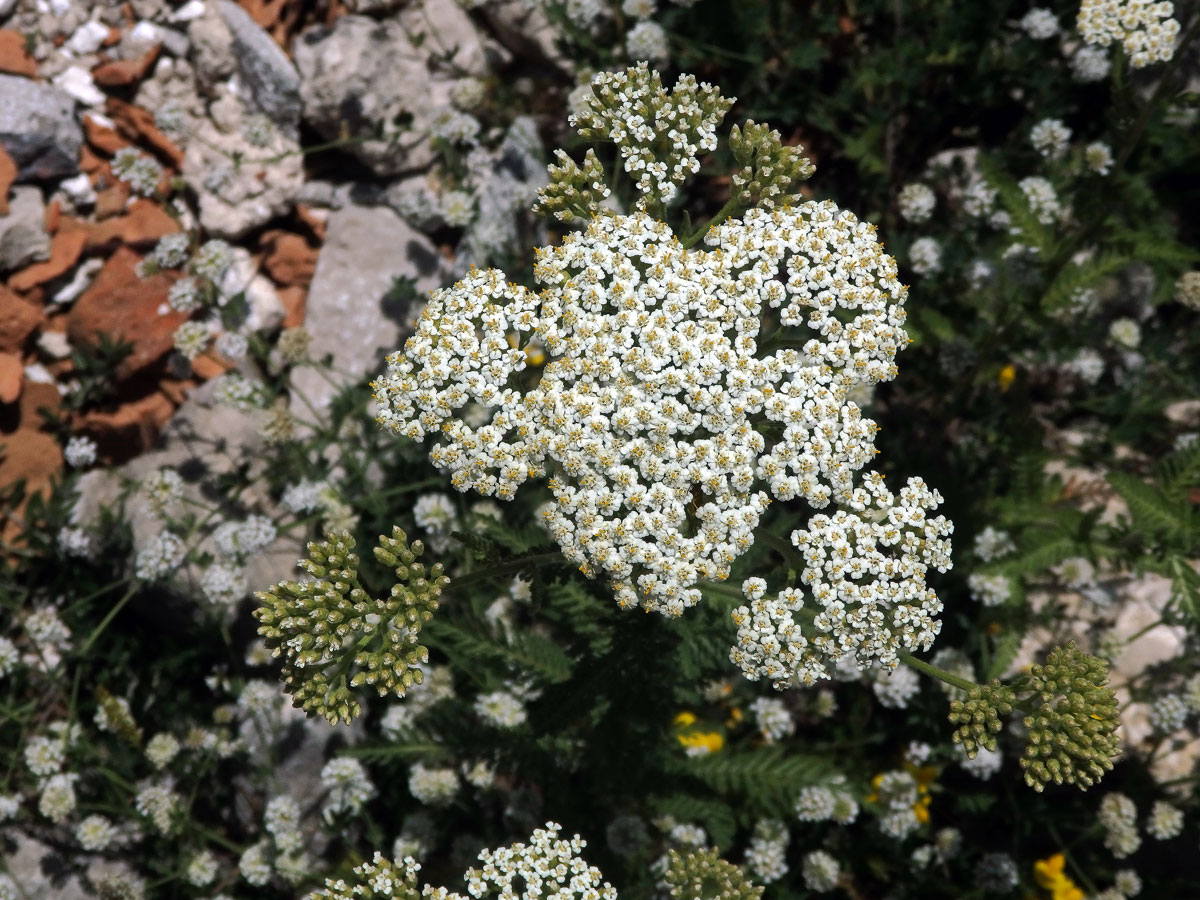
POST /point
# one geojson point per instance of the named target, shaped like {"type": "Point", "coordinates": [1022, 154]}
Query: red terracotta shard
{"type": "Point", "coordinates": [135, 122]}
{"type": "Point", "coordinates": [125, 306]}
{"type": "Point", "coordinates": [289, 260]}
{"type": "Point", "coordinates": [124, 72]}
{"type": "Point", "coordinates": [14, 58]}
{"type": "Point", "coordinates": [8, 174]}
{"type": "Point", "coordinates": [12, 375]}
{"type": "Point", "coordinates": [18, 320]}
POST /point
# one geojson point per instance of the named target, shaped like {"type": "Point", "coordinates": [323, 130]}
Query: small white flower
{"type": "Point", "coordinates": [925, 256]}
{"type": "Point", "coordinates": [80, 452]}
{"type": "Point", "coordinates": [1040, 23]}
{"type": "Point", "coordinates": [916, 202]}
{"type": "Point", "coordinates": [1125, 333]}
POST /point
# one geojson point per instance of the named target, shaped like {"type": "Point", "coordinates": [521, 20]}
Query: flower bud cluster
{"type": "Point", "coordinates": [770, 171]}
{"type": "Point", "coordinates": [1072, 733]}
{"type": "Point", "coordinates": [1144, 28]}
{"type": "Point", "coordinates": [335, 637]}
{"type": "Point", "coordinates": [574, 191]}
{"type": "Point", "coordinates": [866, 574]}
{"type": "Point", "coordinates": [658, 134]}
{"type": "Point", "coordinates": [703, 874]}
{"type": "Point", "coordinates": [978, 716]}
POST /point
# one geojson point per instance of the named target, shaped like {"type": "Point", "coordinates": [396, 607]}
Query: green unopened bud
{"type": "Point", "coordinates": [1072, 734]}
{"type": "Point", "coordinates": [310, 625]}
{"type": "Point", "coordinates": [703, 875]}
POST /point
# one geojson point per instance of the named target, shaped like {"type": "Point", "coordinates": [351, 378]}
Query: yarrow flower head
{"type": "Point", "coordinates": [1145, 28]}
{"type": "Point", "coordinates": [655, 379]}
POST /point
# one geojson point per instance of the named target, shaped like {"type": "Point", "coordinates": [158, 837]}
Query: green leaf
{"type": "Point", "coordinates": [1151, 511]}
{"type": "Point", "coordinates": [1003, 654]}
{"type": "Point", "coordinates": [1037, 558]}
{"type": "Point", "coordinates": [717, 818]}
{"type": "Point", "coordinates": [765, 780]}
{"type": "Point", "coordinates": [1075, 278]}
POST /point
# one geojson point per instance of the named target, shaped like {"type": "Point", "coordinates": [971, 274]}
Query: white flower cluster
{"type": "Point", "coordinates": [1050, 137]}
{"type": "Point", "coordinates": [866, 571]}
{"type": "Point", "coordinates": [348, 784]}
{"type": "Point", "coordinates": [433, 787]}
{"type": "Point", "coordinates": [500, 709]}
{"type": "Point", "coordinates": [916, 202]}
{"type": "Point", "coordinates": [645, 407]}
{"type": "Point", "coordinates": [773, 718]}
{"type": "Point", "coordinates": [1118, 815]}
{"type": "Point", "coordinates": [766, 854]}
{"type": "Point", "coordinates": [1039, 23]}
{"type": "Point", "coordinates": [1165, 821]}
{"type": "Point", "coordinates": [895, 687]}
{"type": "Point", "coordinates": [1090, 64]}
{"type": "Point", "coordinates": [991, 543]}
{"type": "Point", "coordinates": [547, 867]}
{"type": "Point", "coordinates": [1144, 28]}
{"type": "Point", "coordinates": [897, 794]}
{"type": "Point", "coordinates": [1041, 197]}
{"type": "Point", "coordinates": [821, 871]}
{"type": "Point", "coordinates": [632, 109]}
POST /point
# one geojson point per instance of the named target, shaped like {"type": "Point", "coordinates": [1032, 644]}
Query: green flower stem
{"type": "Point", "coordinates": [107, 620]}
{"type": "Point", "coordinates": [934, 672]}
{"type": "Point", "coordinates": [722, 214]}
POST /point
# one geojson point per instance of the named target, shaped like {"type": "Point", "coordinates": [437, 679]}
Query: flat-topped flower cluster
{"type": "Point", "coordinates": [685, 389]}
{"type": "Point", "coordinates": [653, 417]}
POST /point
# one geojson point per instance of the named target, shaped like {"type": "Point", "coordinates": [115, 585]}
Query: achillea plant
{"type": "Point", "coordinates": [685, 389]}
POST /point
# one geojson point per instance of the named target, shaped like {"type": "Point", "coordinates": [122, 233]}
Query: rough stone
{"type": "Point", "coordinates": [38, 129]}
{"type": "Point", "coordinates": [524, 29]}
{"type": "Point", "coordinates": [211, 440]}
{"type": "Point", "coordinates": [266, 310]}
{"type": "Point", "coordinates": [365, 248]}
{"type": "Point", "coordinates": [506, 187]}
{"type": "Point", "coordinates": [23, 236]}
{"type": "Point", "coordinates": [233, 200]}
{"type": "Point", "coordinates": [227, 41]}
{"type": "Point", "coordinates": [361, 76]}
{"type": "Point", "coordinates": [40, 871]}
{"type": "Point", "coordinates": [265, 69]}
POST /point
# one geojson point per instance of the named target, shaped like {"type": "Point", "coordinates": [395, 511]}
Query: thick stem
{"type": "Point", "coordinates": [934, 672]}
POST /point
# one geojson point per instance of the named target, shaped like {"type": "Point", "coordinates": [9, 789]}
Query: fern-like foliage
{"type": "Point", "coordinates": [765, 781]}
{"type": "Point", "coordinates": [334, 637]}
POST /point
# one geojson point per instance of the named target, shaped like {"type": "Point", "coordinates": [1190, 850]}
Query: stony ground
{"type": "Point", "coordinates": [223, 96]}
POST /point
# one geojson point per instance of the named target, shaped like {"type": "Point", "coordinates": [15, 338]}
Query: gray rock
{"type": "Point", "coordinates": [235, 199]}
{"type": "Point", "coordinates": [391, 78]}
{"type": "Point", "coordinates": [227, 42]}
{"type": "Point", "coordinates": [6, 8]}
{"type": "Point", "coordinates": [38, 129]}
{"type": "Point", "coordinates": [39, 871]}
{"type": "Point", "coordinates": [265, 69]}
{"type": "Point", "coordinates": [23, 237]}
{"type": "Point", "coordinates": [524, 29]}
{"type": "Point", "coordinates": [204, 441]}
{"type": "Point", "coordinates": [506, 189]}
{"type": "Point", "coordinates": [365, 248]}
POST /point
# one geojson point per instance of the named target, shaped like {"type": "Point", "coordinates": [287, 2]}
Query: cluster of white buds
{"type": "Point", "coordinates": [656, 410]}
{"type": "Point", "coordinates": [866, 573]}
{"type": "Point", "coordinates": [1145, 28]}
{"type": "Point", "coordinates": [659, 134]}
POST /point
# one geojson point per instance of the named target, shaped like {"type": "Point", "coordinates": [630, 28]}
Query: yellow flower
{"type": "Point", "coordinates": [1049, 874]}
{"type": "Point", "coordinates": [707, 741]}
{"type": "Point", "coordinates": [684, 719]}
{"type": "Point", "coordinates": [1006, 377]}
